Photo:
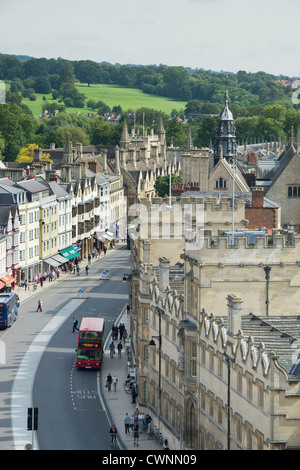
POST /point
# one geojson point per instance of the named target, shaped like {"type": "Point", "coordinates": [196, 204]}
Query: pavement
{"type": "Point", "coordinates": [116, 403]}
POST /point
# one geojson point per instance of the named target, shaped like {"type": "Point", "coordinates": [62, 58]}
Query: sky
{"type": "Point", "coordinates": [228, 35]}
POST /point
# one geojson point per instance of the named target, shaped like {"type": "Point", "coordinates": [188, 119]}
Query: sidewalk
{"type": "Point", "coordinates": [25, 295]}
{"type": "Point", "coordinates": [119, 402]}
{"type": "Point", "coordinates": [116, 403]}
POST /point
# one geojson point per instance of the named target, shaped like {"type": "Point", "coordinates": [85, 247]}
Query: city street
{"type": "Point", "coordinates": [40, 362]}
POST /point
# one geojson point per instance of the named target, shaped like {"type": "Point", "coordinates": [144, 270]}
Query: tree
{"type": "Point", "coordinates": [2, 146]}
{"type": "Point", "coordinates": [26, 154]}
{"type": "Point", "coordinates": [18, 129]}
{"type": "Point", "coordinates": [42, 85]}
{"type": "Point", "coordinates": [162, 184]}
{"type": "Point", "coordinates": [87, 71]}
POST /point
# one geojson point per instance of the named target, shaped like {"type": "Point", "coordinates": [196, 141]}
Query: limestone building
{"type": "Point", "coordinates": [209, 336]}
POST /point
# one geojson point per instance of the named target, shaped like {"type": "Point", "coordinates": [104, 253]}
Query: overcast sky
{"type": "Point", "coordinates": [229, 35]}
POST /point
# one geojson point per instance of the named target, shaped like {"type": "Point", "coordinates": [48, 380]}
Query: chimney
{"type": "Point", "coordinates": [234, 313]}
{"type": "Point", "coordinates": [251, 158]}
{"type": "Point", "coordinates": [257, 197]}
{"type": "Point", "coordinates": [164, 274]}
{"type": "Point", "coordinates": [93, 166]}
{"type": "Point", "coordinates": [53, 176]}
{"type": "Point", "coordinates": [105, 161]}
{"type": "Point", "coordinates": [117, 160]}
{"type": "Point", "coordinates": [37, 155]}
{"type": "Point", "coordinates": [66, 173]}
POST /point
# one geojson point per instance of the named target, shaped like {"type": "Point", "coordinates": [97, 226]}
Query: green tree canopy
{"type": "Point", "coordinates": [162, 184]}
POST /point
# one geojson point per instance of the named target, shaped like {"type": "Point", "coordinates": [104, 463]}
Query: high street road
{"type": "Point", "coordinates": [40, 370]}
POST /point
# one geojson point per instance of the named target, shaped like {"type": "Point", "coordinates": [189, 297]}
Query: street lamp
{"type": "Point", "coordinates": [152, 343]}
{"type": "Point", "coordinates": [228, 359]}
{"type": "Point", "coordinates": [267, 270]}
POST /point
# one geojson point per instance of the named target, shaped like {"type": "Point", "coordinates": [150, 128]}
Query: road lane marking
{"type": "Point", "coordinates": [24, 380]}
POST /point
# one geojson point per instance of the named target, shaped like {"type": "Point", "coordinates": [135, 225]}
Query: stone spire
{"type": "Point", "coordinates": [225, 134]}
{"type": "Point", "coordinates": [161, 132]}
{"type": "Point", "coordinates": [189, 143]}
{"type": "Point", "coordinates": [125, 139]}
{"type": "Point", "coordinates": [68, 153]}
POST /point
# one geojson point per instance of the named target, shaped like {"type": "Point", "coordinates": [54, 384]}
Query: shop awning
{"type": "Point", "coordinates": [104, 236]}
{"type": "Point", "coordinates": [69, 253]}
{"type": "Point", "coordinates": [7, 279]}
{"type": "Point", "coordinates": [52, 262]}
{"type": "Point", "coordinates": [100, 237]}
{"type": "Point", "coordinates": [61, 259]}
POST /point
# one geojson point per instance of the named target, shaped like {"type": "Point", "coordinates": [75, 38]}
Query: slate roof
{"type": "Point", "coordinates": [278, 333]}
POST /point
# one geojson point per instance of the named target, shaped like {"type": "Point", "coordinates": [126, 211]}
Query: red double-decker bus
{"type": "Point", "coordinates": [90, 343]}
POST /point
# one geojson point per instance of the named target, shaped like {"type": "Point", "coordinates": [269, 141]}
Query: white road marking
{"type": "Point", "coordinates": [24, 380]}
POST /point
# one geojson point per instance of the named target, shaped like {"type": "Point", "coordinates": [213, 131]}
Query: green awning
{"type": "Point", "coordinates": [69, 253]}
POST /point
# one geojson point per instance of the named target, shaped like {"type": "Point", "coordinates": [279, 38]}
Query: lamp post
{"type": "Point", "coordinates": [267, 270]}
{"type": "Point", "coordinates": [228, 360]}
{"type": "Point", "coordinates": [152, 343]}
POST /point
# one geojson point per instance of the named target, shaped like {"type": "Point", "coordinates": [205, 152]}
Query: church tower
{"type": "Point", "coordinates": [225, 138]}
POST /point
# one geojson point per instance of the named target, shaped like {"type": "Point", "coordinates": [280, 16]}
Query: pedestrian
{"type": "Point", "coordinates": [78, 270]}
{"type": "Point", "coordinates": [131, 422]}
{"type": "Point", "coordinates": [115, 381]}
{"type": "Point", "coordinates": [121, 330]}
{"type": "Point", "coordinates": [41, 279]}
{"type": "Point", "coordinates": [108, 382]}
{"type": "Point", "coordinates": [166, 445]}
{"type": "Point", "coordinates": [148, 420]}
{"type": "Point", "coordinates": [124, 335]}
{"type": "Point", "coordinates": [133, 395]}
{"type": "Point", "coordinates": [140, 420]}
{"type": "Point", "coordinates": [75, 323]}
{"type": "Point", "coordinates": [127, 423]}
{"type": "Point", "coordinates": [128, 307]}
{"type": "Point", "coordinates": [89, 258]}
{"type": "Point", "coordinates": [112, 349]}
{"type": "Point", "coordinates": [120, 347]}
{"type": "Point", "coordinates": [87, 269]}
{"type": "Point", "coordinates": [25, 284]}
{"type": "Point", "coordinates": [136, 435]}
{"type": "Point", "coordinates": [114, 332]}
{"type": "Point", "coordinates": [40, 306]}
{"type": "Point", "coordinates": [113, 433]}
{"type": "Point", "coordinates": [104, 250]}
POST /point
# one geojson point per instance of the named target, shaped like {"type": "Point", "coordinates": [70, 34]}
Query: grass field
{"type": "Point", "coordinates": [112, 95]}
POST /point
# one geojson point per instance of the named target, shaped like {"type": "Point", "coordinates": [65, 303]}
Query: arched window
{"type": "Point", "coordinates": [191, 425]}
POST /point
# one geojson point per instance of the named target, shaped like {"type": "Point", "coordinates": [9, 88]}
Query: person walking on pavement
{"type": "Point", "coordinates": [127, 424]}
{"type": "Point", "coordinates": [40, 306]}
{"type": "Point", "coordinates": [87, 269]}
{"type": "Point", "coordinates": [115, 381]}
{"type": "Point", "coordinates": [113, 433]}
{"type": "Point", "coordinates": [121, 330]}
{"type": "Point", "coordinates": [78, 270]}
{"type": "Point", "coordinates": [120, 347]}
{"type": "Point", "coordinates": [25, 284]}
{"type": "Point", "coordinates": [112, 349]}
{"type": "Point", "coordinates": [75, 323]}
{"type": "Point", "coordinates": [136, 434]}
{"type": "Point", "coordinates": [108, 382]}
{"type": "Point", "coordinates": [133, 395]}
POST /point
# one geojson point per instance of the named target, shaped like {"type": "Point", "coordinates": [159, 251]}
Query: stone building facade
{"type": "Point", "coordinates": [213, 329]}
